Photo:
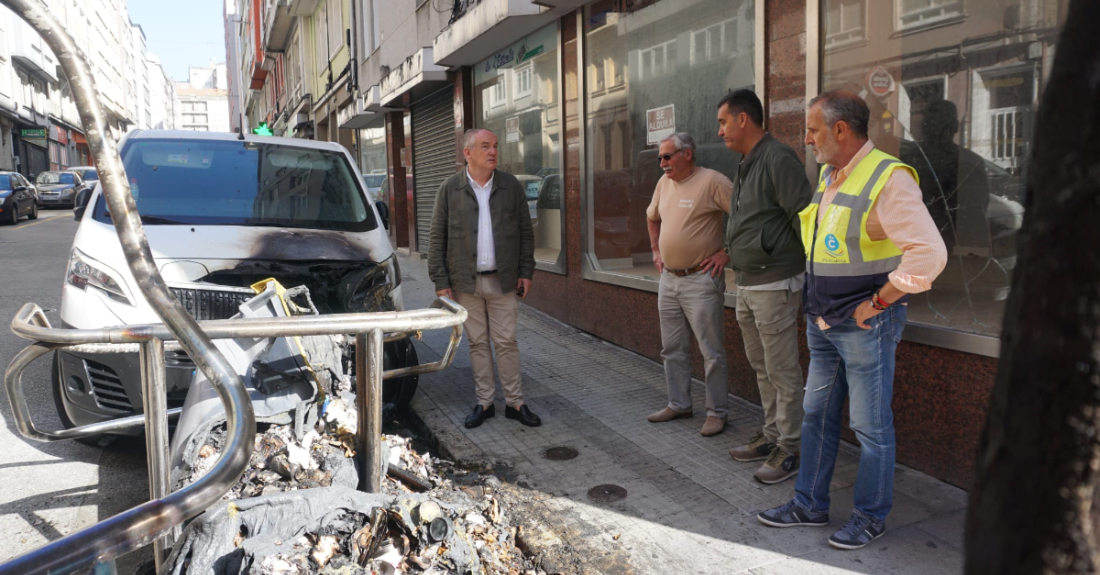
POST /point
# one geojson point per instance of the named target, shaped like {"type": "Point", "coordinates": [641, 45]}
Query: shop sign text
{"type": "Point", "coordinates": [660, 123]}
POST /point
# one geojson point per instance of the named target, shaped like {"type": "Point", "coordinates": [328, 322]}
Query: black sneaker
{"type": "Point", "coordinates": [858, 532]}
{"type": "Point", "coordinates": [791, 515]}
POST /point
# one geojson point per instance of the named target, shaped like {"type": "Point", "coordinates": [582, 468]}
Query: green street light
{"type": "Point", "coordinates": [262, 130]}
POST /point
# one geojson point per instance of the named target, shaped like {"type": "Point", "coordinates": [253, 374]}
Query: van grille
{"type": "Point", "coordinates": [107, 388]}
{"type": "Point", "coordinates": [210, 304]}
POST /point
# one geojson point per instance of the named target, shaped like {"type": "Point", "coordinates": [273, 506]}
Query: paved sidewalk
{"type": "Point", "coordinates": [689, 507]}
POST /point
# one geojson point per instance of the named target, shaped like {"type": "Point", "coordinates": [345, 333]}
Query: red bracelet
{"type": "Point", "coordinates": [878, 303]}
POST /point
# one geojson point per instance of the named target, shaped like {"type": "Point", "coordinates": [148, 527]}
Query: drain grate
{"type": "Point", "coordinates": [560, 453]}
{"type": "Point", "coordinates": [607, 493]}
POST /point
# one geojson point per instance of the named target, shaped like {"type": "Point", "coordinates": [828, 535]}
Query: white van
{"type": "Point", "coordinates": [222, 212]}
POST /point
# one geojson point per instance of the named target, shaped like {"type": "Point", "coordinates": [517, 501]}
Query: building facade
{"type": "Point", "coordinates": [579, 92]}
{"type": "Point", "coordinates": [40, 128]}
{"type": "Point", "coordinates": [202, 109]}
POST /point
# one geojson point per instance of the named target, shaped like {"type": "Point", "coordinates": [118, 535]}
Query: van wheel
{"type": "Point", "coordinates": [399, 391]}
{"type": "Point", "coordinates": [59, 404]}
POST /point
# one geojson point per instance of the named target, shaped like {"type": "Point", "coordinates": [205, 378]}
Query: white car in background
{"type": "Point", "coordinates": [221, 213]}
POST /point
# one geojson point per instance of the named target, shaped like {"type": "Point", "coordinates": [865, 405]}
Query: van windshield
{"type": "Point", "coordinates": [242, 183]}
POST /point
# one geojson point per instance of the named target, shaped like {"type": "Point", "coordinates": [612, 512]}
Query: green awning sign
{"type": "Point", "coordinates": [36, 133]}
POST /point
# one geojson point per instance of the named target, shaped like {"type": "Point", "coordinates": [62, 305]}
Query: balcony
{"type": "Point", "coordinates": [479, 27]}
{"type": "Point", "coordinates": [299, 8]}
{"type": "Point", "coordinates": [31, 52]}
{"type": "Point", "coordinates": [366, 108]}
{"type": "Point", "coordinates": [417, 76]}
{"type": "Point", "coordinates": [280, 23]}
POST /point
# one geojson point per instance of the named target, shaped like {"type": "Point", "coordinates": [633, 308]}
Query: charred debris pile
{"type": "Point", "coordinates": [296, 510]}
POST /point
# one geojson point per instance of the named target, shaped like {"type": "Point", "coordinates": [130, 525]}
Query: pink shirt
{"type": "Point", "coordinates": [899, 213]}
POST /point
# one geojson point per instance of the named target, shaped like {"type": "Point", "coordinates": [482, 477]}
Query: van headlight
{"type": "Point", "coordinates": [393, 271]}
{"type": "Point", "coordinates": [85, 272]}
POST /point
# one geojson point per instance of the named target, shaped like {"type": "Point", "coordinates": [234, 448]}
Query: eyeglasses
{"type": "Point", "coordinates": [668, 157]}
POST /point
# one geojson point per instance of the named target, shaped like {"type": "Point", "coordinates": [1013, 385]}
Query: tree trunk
{"type": "Point", "coordinates": [1035, 506]}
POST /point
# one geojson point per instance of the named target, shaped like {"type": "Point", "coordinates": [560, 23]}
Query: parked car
{"type": "Point", "coordinates": [59, 188]}
{"type": "Point", "coordinates": [17, 198]}
{"type": "Point", "coordinates": [373, 182]}
{"type": "Point", "coordinates": [87, 172]}
{"type": "Point", "coordinates": [221, 213]}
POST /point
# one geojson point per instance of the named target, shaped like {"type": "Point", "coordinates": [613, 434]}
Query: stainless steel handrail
{"type": "Point", "coordinates": [31, 323]}
{"type": "Point", "coordinates": [155, 521]}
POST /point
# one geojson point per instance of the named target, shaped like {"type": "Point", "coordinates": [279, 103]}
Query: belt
{"type": "Point", "coordinates": [487, 273]}
{"type": "Point", "coordinates": [687, 272]}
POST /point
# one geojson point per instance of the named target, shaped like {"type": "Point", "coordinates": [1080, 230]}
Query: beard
{"type": "Point", "coordinates": [826, 150]}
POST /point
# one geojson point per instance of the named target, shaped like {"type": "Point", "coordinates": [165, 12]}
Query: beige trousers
{"type": "Point", "coordinates": [769, 326]}
{"type": "Point", "coordinates": [492, 317]}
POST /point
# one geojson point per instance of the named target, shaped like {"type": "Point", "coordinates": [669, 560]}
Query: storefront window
{"type": "Point", "coordinates": [654, 67]}
{"type": "Point", "coordinates": [372, 157]}
{"type": "Point", "coordinates": [953, 93]}
{"type": "Point", "coordinates": [516, 96]}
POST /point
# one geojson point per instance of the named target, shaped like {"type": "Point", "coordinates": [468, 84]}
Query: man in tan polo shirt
{"type": "Point", "coordinates": [685, 233]}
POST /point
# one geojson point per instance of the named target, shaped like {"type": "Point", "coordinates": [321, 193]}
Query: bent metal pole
{"type": "Point", "coordinates": [139, 526]}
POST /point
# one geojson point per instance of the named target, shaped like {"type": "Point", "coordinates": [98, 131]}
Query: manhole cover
{"type": "Point", "coordinates": [606, 493]}
{"type": "Point", "coordinates": [560, 453]}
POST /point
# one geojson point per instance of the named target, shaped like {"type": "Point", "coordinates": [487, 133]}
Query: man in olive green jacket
{"type": "Point", "coordinates": [482, 255]}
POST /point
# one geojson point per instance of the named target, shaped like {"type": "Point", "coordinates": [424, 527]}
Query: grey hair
{"type": "Point", "coordinates": [841, 105]}
{"type": "Point", "coordinates": [470, 137]}
{"type": "Point", "coordinates": [682, 141]}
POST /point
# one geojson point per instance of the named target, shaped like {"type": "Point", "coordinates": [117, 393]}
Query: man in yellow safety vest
{"type": "Point", "coordinates": [870, 242]}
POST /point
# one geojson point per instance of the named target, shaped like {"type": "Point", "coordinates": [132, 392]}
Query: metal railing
{"type": "Point", "coordinates": [155, 521]}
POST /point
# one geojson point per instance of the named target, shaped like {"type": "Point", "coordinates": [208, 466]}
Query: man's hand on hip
{"type": "Point", "coordinates": [864, 312]}
{"type": "Point", "coordinates": [447, 293]}
{"type": "Point", "coordinates": [716, 264]}
{"type": "Point", "coordinates": [524, 288]}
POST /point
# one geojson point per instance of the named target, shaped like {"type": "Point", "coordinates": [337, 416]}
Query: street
{"type": "Point", "coordinates": [52, 489]}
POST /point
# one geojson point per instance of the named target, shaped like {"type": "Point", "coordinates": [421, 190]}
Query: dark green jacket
{"type": "Point", "coordinates": [452, 254]}
{"type": "Point", "coordinates": [762, 236]}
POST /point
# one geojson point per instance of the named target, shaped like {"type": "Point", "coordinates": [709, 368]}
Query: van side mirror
{"type": "Point", "coordinates": [81, 203]}
{"type": "Point", "coordinates": [384, 213]}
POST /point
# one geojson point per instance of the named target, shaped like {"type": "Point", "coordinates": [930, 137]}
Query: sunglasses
{"type": "Point", "coordinates": [668, 157]}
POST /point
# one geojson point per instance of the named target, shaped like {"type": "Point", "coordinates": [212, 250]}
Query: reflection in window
{"type": "Point", "coordinates": [959, 109]}
{"type": "Point", "coordinates": [658, 60]}
{"type": "Point", "coordinates": [918, 13]}
{"type": "Point", "coordinates": [844, 23]}
{"type": "Point", "coordinates": [674, 56]}
{"type": "Point", "coordinates": [523, 82]}
{"type": "Point", "coordinates": [528, 128]}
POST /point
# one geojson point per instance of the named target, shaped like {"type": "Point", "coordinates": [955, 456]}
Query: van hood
{"type": "Point", "coordinates": [345, 271]}
{"type": "Point", "coordinates": [213, 244]}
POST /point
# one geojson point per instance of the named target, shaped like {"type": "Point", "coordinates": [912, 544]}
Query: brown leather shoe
{"type": "Point", "coordinates": [780, 466]}
{"type": "Point", "coordinates": [713, 426]}
{"type": "Point", "coordinates": [668, 414]}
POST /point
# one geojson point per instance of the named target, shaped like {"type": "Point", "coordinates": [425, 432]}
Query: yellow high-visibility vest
{"type": "Point", "coordinates": [841, 246]}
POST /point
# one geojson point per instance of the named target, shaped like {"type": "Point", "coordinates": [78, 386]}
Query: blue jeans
{"type": "Point", "coordinates": [849, 362]}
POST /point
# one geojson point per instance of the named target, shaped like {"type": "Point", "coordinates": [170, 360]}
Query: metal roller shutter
{"type": "Point", "coordinates": [39, 160]}
{"type": "Point", "coordinates": [433, 136]}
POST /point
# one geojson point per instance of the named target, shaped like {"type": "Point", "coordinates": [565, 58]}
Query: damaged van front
{"type": "Point", "coordinates": [222, 212]}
